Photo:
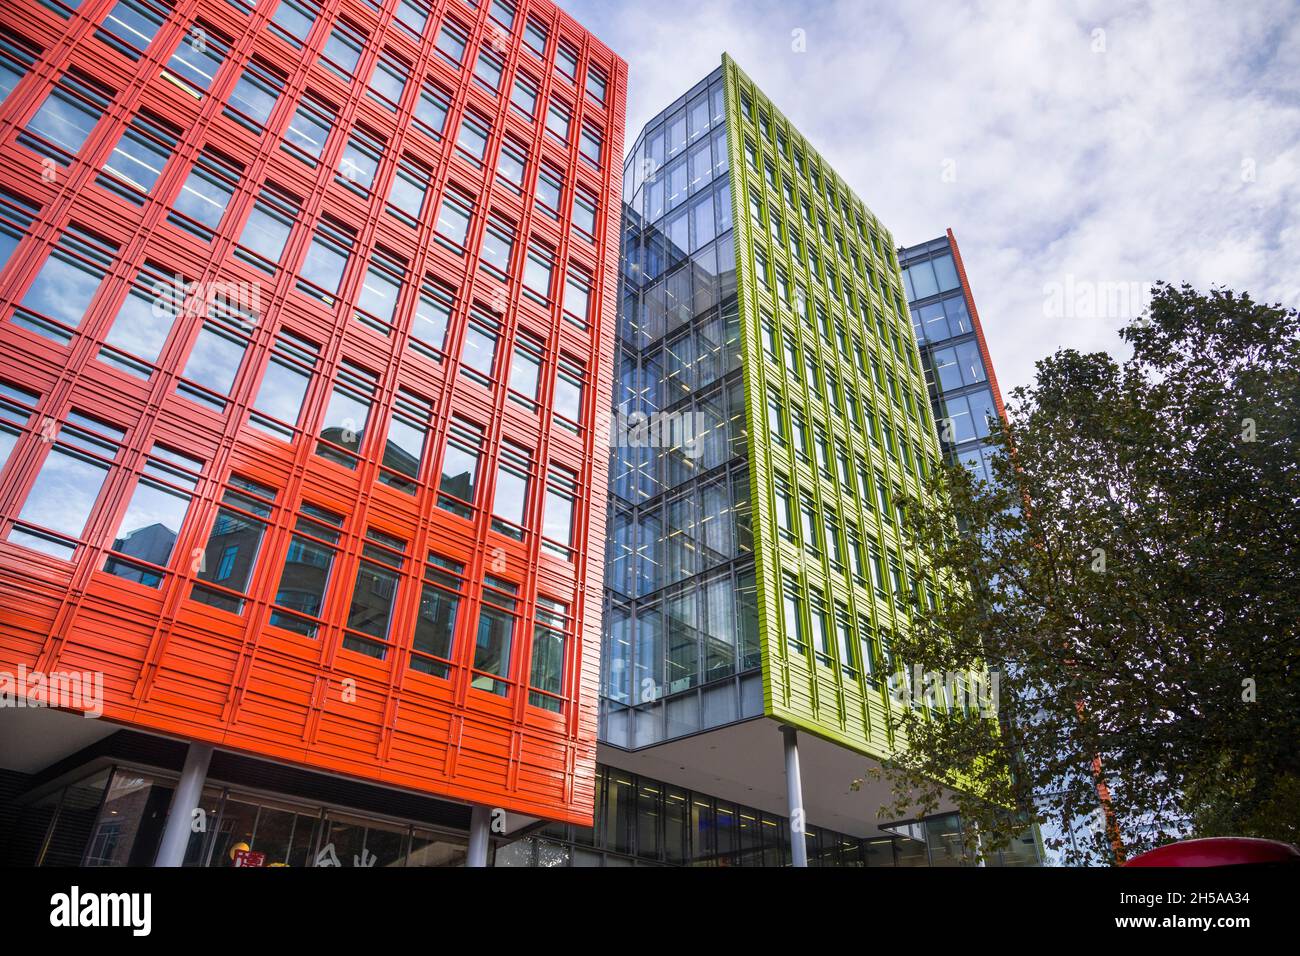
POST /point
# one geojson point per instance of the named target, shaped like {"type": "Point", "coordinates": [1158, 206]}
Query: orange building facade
{"type": "Point", "coordinates": [306, 317]}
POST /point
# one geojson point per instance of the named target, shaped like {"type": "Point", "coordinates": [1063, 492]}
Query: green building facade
{"type": "Point", "coordinates": [776, 334]}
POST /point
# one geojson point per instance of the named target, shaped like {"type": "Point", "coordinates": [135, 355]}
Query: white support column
{"type": "Point", "coordinates": [794, 799]}
{"type": "Point", "coordinates": [480, 822]}
{"type": "Point", "coordinates": [189, 791]}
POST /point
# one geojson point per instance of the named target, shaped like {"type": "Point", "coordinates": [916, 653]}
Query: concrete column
{"type": "Point", "coordinates": [794, 799]}
{"type": "Point", "coordinates": [480, 822]}
{"type": "Point", "coordinates": [189, 791]}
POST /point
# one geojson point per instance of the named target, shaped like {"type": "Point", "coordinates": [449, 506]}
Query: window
{"type": "Point", "coordinates": [597, 84]}
{"type": "Point", "coordinates": [432, 315]}
{"type": "Point", "coordinates": [535, 37]}
{"type": "Point", "coordinates": [558, 117]}
{"type": "Point", "coordinates": [344, 427]}
{"type": "Point", "coordinates": [808, 518]}
{"type": "Point", "coordinates": [408, 191]}
{"type": "Point", "coordinates": [293, 20]}
{"type": "Point", "coordinates": [57, 509]}
{"type": "Point", "coordinates": [342, 50]}
{"type": "Point", "coordinates": [488, 69]}
{"type": "Point", "coordinates": [388, 81]}
{"type": "Point", "coordinates": [267, 228]}
{"type": "Point", "coordinates": [452, 40]}
{"type": "Point", "coordinates": [523, 96]}
{"type": "Point", "coordinates": [478, 352]}
{"type": "Point", "coordinates": [792, 607]}
{"type": "Point", "coordinates": [197, 60]}
{"type": "Point", "coordinates": [538, 269]}
{"type": "Point", "coordinates": [408, 430]}
{"type": "Point", "coordinates": [205, 195]}
{"type": "Point", "coordinates": [16, 217]}
{"type": "Point", "coordinates": [59, 296]}
{"type": "Point", "coordinates": [495, 637]}
{"type": "Point", "coordinates": [566, 62]}
{"type": "Point", "coordinates": [775, 419]}
{"type": "Point", "coordinates": [546, 677]}
{"type": "Point", "coordinates": [577, 297]}
{"type": "Point", "coordinates": [255, 95]}
{"type": "Point", "coordinates": [278, 406]}
{"type": "Point", "coordinates": [132, 25]}
{"type": "Point", "coordinates": [784, 508]}
{"type": "Point", "coordinates": [845, 641]}
{"type": "Point", "coordinates": [60, 127]}
{"type": "Point", "coordinates": [472, 140]}
{"type": "Point", "coordinates": [151, 309]}
{"type": "Point", "coordinates": [308, 130]}
{"type": "Point", "coordinates": [460, 460]}
{"type": "Point", "coordinates": [557, 515]}
{"type": "Point", "coordinates": [511, 163]}
{"type": "Point", "coordinates": [17, 57]}
{"type": "Point", "coordinates": [226, 569]}
{"type": "Point", "coordinates": [300, 597]}
{"type": "Point", "coordinates": [360, 161]}
{"type": "Point", "coordinates": [218, 350]}
{"type": "Point", "coordinates": [380, 290]}
{"type": "Point", "coordinates": [584, 214]}
{"type": "Point", "coordinates": [550, 186]}
{"type": "Point", "coordinates": [821, 638]}
{"type": "Point", "coordinates": [435, 627]}
{"type": "Point", "coordinates": [510, 493]}
{"type": "Point", "coordinates": [503, 11]}
{"type": "Point", "coordinates": [326, 260]}
{"type": "Point", "coordinates": [431, 110]}
{"type": "Point", "coordinates": [525, 370]}
{"type": "Point", "coordinates": [374, 594]}
{"type": "Point", "coordinates": [453, 221]}
{"type": "Point", "coordinates": [590, 144]}
{"type": "Point", "coordinates": [497, 248]}
{"type": "Point", "coordinates": [412, 15]}
{"type": "Point", "coordinates": [567, 404]}
{"type": "Point", "coordinates": [17, 406]}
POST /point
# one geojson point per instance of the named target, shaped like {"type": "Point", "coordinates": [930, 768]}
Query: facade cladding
{"type": "Point", "coordinates": [305, 320]}
{"type": "Point", "coordinates": [963, 388]}
{"type": "Point", "coordinates": [758, 568]}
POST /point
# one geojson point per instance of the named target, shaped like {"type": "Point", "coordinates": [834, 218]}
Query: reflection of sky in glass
{"type": "Point", "coordinates": [281, 392]}
{"type": "Point", "coordinates": [308, 131]}
{"type": "Point", "coordinates": [458, 472]}
{"type": "Point", "coordinates": [557, 519]}
{"type": "Point", "coordinates": [63, 121]}
{"type": "Point", "coordinates": [510, 496]}
{"type": "Point", "coordinates": [63, 494]}
{"type": "Point", "coordinates": [7, 441]}
{"type": "Point", "coordinates": [203, 198]}
{"type": "Point", "coordinates": [324, 265]}
{"type": "Point", "coordinates": [214, 361]}
{"type": "Point", "coordinates": [378, 294]}
{"type": "Point", "coordinates": [479, 349]}
{"type": "Point", "coordinates": [62, 290]}
{"type": "Point", "coordinates": [137, 160]}
{"type": "Point", "coordinates": [430, 322]}
{"type": "Point", "coordinates": [265, 233]}
{"type": "Point", "coordinates": [140, 329]}
{"type": "Point", "coordinates": [568, 398]}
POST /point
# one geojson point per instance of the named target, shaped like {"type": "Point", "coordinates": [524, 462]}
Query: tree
{"type": "Point", "coordinates": [1133, 573]}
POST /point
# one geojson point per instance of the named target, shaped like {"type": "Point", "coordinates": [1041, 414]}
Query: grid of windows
{"type": "Point", "coordinates": [287, 300]}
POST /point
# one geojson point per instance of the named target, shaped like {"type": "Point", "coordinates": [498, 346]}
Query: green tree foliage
{"type": "Point", "coordinates": [1134, 574]}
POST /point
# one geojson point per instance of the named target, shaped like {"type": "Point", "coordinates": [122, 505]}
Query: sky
{"type": "Point", "coordinates": [1079, 150]}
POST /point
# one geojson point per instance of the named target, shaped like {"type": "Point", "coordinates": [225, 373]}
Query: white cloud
{"type": "Point", "coordinates": [1125, 165]}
